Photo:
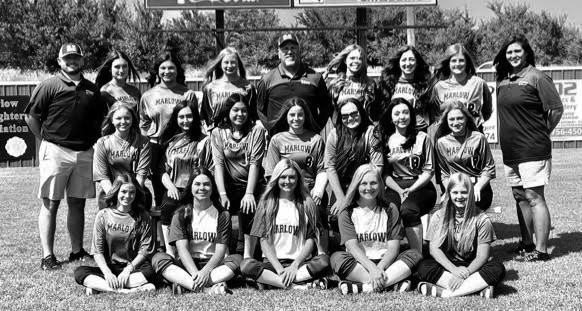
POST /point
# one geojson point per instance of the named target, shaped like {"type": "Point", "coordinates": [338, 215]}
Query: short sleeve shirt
{"type": "Point", "coordinates": [404, 89]}
{"type": "Point", "coordinates": [127, 94]}
{"type": "Point", "coordinates": [472, 157]}
{"type": "Point", "coordinates": [215, 94]}
{"type": "Point", "coordinates": [417, 159]}
{"type": "Point", "coordinates": [237, 155]}
{"type": "Point", "coordinates": [207, 228]}
{"type": "Point", "coordinates": [183, 155]}
{"type": "Point", "coordinates": [114, 156]}
{"type": "Point", "coordinates": [523, 101]}
{"type": "Point", "coordinates": [473, 92]}
{"type": "Point", "coordinates": [372, 228]}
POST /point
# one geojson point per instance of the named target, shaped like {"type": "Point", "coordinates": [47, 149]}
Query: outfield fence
{"type": "Point", "coordinates": [18, 147]}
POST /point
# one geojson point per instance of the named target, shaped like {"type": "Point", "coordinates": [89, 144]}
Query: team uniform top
{"type": "Point", "coordinates": [215, 94]}
{"type": "Point", "coordinates": [287, 237]}
{"type": "Point", "coordinates": [117, 237]}
{"type": "Point", "coordinates": [237, 155]}
{"type": "Point", "coordinates": [306, 149]}
{"type": "Point", "coordinates": [473, 92]}
{"type": "Point", "coordinates": [372, 228]}
{"type": "Point", "coordinates": [473, 157]}
{"type": "Point", "coordinates": [183, 155]}
{"type": "Point", "coordinates": [404, 89]}
{"type": "Point", "coordinates": [127, 94]}
{"type": "Point", "coordinates": [484, 234]}
{"type": "Point", "coordinates": [114, 156]}
{"type": "Point", "coordinates": [366, 92]}
{"type": "Point", "coordinates": [330, 156]}
{"type": "Point", "coordinates": [418, 158]}
{"type": "Point", "coordinates": [276, 87]}
{"type": "Point", "coordinates": [155, 109]}
{"type": "Point", "coordinates": [523, 102]}
{"type": "Point", "coordinates": [70, 113]}
{"type": "Point", "coordinates": [206, 229]}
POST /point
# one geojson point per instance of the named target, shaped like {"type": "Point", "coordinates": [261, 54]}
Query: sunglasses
{"type": "Point", "coordinates": [353, 115]}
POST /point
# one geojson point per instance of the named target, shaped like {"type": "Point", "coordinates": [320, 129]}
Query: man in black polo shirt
{"type": "Point", "coordinates": [65, 112]}
{"type": "Point", "coordinates": [292, 78]}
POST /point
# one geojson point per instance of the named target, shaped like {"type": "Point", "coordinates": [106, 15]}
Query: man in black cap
{"type": "Point", "coordinates": [65, 112]}
{"type": "Point", "coordinates": [292, 78]}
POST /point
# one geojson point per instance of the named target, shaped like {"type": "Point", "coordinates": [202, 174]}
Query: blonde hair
{"type": "Point", "coordinates": [353, 193]}
{"type": "Point", "coordinates": [269, 204]}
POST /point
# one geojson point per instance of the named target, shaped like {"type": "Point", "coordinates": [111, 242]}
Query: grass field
{"type": "Point", "coordinates": [553, 285]}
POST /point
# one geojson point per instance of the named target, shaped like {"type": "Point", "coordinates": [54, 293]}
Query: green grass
{"type": "Point", "coordinates": [553, 285]}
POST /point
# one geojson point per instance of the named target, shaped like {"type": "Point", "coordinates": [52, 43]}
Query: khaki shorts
{"type": "Point", "coordinates": [529, 174]}
{"type": "Point", "coordinates": [65, 170]}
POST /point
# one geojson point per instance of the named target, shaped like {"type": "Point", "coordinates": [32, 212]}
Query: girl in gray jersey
{"type": "Point", "coordinates": [121, 150]}
{"type": "Point", "coordinates": [238, 147]}
{"type": "Point", "coordinates": [112, 79]}
{"type": "Point", "coordinates": [122, 243]}
{"type": "Point", "coordinates": [408, 154]}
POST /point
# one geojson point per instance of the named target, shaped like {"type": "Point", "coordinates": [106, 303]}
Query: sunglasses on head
{"type": "Point", "coordinates": [353, 115]}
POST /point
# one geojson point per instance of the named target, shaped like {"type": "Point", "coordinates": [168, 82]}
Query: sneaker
{"type": "Point", "coordinates": [50, 262]}
{"type": "Point", "coordinates": [177, 289]}
{"type": "Point", "coordinates": [429, 290]}
{"type": "Point", "coordinates": [318, 284]}
{"type": "Point", "coordinates": [536, 256]}
{"type": "Point", "coordinates": [80, 255]}
{"type": "Point", "coordinates": [488, 292]}
{"type": "Point", "coordinates": [348, 287]}
{"type": "Point", "coordinates": [91, 291]}
{"type": "Point", "coordinates": [522, 248]}
{"type": "Point", "coordinates": [403, 286]}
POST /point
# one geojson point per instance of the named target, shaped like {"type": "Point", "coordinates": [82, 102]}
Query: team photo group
{"type": "Point", "coordinates": [331, 180]}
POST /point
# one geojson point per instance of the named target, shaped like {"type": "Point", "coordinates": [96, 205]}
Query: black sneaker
{"type": "Point", "coordinates": [50, 262]}
{"type": "Point", "coordinates": [522, 248]}
{"type": "Point", "coordinates": [536, 256]}
{"type": "Point", "coordinates": [80, 255]}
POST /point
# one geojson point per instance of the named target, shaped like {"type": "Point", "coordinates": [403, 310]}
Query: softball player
{"type": "Point", "coordinates": [225, 75]}
{"type": "Point", "coordinates": [121, 150]}
{"type": "Point", "coordinates": [186, 147]}
{"type": "Point", "coordinates": [297, 140]}
{"type": "Point", "coordinates": [112, 78]}
{"type": "Point", "coordinates": [200, 231]}
{"type": "Point", "coordinates": [352, 80]}
{"type": "Point", "coordinates": [457, 81]}
{"type": "Point", "coordinates": [460, 242]}
{"type": "Point", "coordinates": [371, 231]}
{"type": "Point", "coordinates": [238, 148]}
{"type": "Point", "coordinates": [460, 147]}
{"type": "Point", "coordinates": [408, 155]}
{"type": "Point", "coordinates": [407, 76]}
{"type": "Point", "coordinates": [286, 223]}
{"type": "Point", "coordinates": [122, 241]}
{"type": "Point", "coordinates": [155, 109]}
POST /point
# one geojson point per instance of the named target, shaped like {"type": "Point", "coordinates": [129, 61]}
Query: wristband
{"type": "Point", "coordinates": [222, 193]}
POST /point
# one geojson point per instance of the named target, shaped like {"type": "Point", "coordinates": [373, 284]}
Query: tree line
{"type": "Point", "coordinates": [32, 31]}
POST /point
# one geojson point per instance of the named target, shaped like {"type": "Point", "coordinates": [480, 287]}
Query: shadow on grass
{"type": "Point", "coordinates": [504, 289]}
{"type": "Point", "coordinates": [506, 231]}
{"type": "Point", "coordinates": [566, 243]}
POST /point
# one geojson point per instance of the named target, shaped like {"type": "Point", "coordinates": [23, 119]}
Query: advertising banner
{"type": "Point", "coordinates": [216, 4]}
{"type": "Point", "coordinates": [16, 141]}
{"type": "Point", "coordinates": [360, 3]}
{"type": "Point", "coordinates": [570, 126]}
{"type": "Point", "coordinates": [490, 126]}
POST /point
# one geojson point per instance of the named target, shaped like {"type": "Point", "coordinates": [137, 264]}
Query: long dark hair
{"type": "Point", "coordinates": [154, 77]}
{"type": "Point", "coordinates": [351, 147]}
{"type": "Point", "coordinates": [443, 127]}
{"type": "Point", "coordinates": [194, 132]}
{"type": "Point", "coordinates": [188, 198]}
{"type": "Point", "coordinates": [392, 72]}
{"type": "Point", "coordinates": [443, 69]}
{"type": "Point", "coordinates": [104, 71]}
{"type": "Point", "coordinates": [385, 127]}
{"type": "Point", "coordinates": [281, 125]}
{"type": "Point", "coordinates": [222, 119]}
{"type": "Point", "coordinates": [138, 206]}
{"type": "Point", "coordinates": [107, 127]}
{"type": "Point", "coordinates": [502, 65]}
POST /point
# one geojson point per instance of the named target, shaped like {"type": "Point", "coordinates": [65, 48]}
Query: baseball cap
{"type": "Point", "coordinates": [287, 37]}
{"type": "Point", "coordinates": [70, 49]}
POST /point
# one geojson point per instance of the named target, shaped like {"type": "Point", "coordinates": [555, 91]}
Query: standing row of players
{"type": "Point", "coordinates": [398, 103]}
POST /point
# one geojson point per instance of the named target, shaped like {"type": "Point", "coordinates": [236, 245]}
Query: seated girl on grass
{"type": "Point", "coordinates": [285, 222]}
{"type": "Point", "coordinates": [460, 237]}
{"type": "Point", "coordinates": [371, 230]}
{"type": "Point", "coordinates": [122, 240]}
{"type": "Point", "coordinates": [200, 231]}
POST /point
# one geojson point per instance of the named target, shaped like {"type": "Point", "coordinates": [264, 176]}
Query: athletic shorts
{"type": "Point", "coordinates": [63, 170]}
{"type": "Point", "coordinates": [529, 174]}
